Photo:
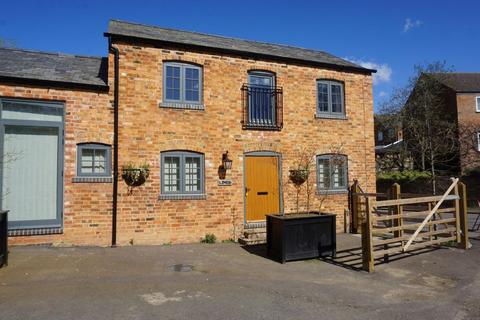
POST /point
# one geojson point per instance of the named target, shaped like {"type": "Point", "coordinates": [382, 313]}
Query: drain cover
{"type": "Point", "coordinates": [181, 267]}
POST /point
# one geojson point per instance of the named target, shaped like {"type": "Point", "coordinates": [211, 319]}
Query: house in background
{"type": "Point", "coordinates": [457, 97]}
{"type": "Point", "coordinates": [183, 103]}
{"type": "Point", "coordinates": [463, 99]}
{"type": "Point", "coordinates": [390, 153]}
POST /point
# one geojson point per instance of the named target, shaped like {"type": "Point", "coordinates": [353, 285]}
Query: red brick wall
{"type": "Point", "coordinates": [469, 123]}
{"type": "Point", "coordinates": [146, 130]}
{"type": "Point", "coordinates": [87, 206]}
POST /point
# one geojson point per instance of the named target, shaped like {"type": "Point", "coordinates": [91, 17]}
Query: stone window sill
{"type": "Point", "coordinates": [201, 196]}
{"type": "Point", "coordinates": [330, 116]}
{"type": "Point", "coordinates": [34, 232]}
{"type": "Point", "coordinates": [92, 179]}
{"type": "Point", "coordinates": [178, 105]}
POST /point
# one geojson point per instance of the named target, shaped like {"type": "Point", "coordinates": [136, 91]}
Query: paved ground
{"type": "Point", "coordinates": [229, 282]}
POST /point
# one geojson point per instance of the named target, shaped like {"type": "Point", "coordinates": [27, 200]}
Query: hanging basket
{"type": "Point", "coordinates": [298, 176]}
{"type": "Point", "coordinates": [135, 177]}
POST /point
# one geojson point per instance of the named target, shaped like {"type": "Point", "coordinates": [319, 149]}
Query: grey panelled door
{"type": "Point", "coordinates": [32, 164]}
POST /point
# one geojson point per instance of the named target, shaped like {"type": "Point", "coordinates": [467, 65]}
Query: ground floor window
{"type": "Point", "coordinates": [93, 160]}
{"type": "Point", "coordinates": [182, 172]}
{"type": "Point", "coordinates": [332, 172]}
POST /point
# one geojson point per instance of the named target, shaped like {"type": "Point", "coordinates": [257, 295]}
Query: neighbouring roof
{"type": "Point", "coordinates": [460, 81]}
{"type": "Point", "coordinates": [389, 148]}
{"type": "Point", "coordinates": [232, 45]}
{"type": "Point", "coordinates": [25, 66]}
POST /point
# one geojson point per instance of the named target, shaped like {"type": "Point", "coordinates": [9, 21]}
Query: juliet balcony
{"type": "Point", "coordinates": [262, 107]}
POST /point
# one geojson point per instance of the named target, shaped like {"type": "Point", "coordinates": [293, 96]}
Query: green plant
{"type": "Point", "coordinates": [228, 241]}
{"type": "Point", "coordinates": [209, 238]}
{"type": "Point", "coordinates": [404, 176]}
{"type": "Point", "coordinates": [135, 176]}
{"type": "Point", "coordinates": [298, 176]}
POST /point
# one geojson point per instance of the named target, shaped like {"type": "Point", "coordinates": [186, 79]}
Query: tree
{"type": "Point", "coordinates": [302, 175]}
{"type": "Point", "coordinates": [430, 129]}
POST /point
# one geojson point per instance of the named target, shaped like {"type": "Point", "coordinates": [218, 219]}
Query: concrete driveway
{"type": "Point", "coordinates": [229, 282]}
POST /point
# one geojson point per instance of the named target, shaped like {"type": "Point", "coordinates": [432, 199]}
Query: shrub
{"type": "Point", "coordinates": [209, 238]}
{"type": "Point", "coordinates": [403, 176]}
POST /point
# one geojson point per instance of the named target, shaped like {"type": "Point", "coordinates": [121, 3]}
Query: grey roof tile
{"type": "Point", "coordinates": [54, 67]}
{"type": "Point", "coordinates": [134, 30]}
{"type": "Point", "coordinates": [460, 81]}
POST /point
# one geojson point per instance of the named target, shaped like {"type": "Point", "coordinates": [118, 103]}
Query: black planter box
{"type": "Point", "coordinates": [301, 236]}
{"type": "Point", "coordinates": [3, 238]}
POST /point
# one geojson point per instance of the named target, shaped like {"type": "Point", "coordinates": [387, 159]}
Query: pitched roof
{"type": "Point", "coordinates": [57, 69]}
{"type": "Point", "coordinates": [232, 45]}
{"type": "Point", "coordinates": [460, 81]}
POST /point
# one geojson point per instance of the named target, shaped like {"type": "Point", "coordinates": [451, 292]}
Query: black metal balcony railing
{"type": "Point", "coordinates": [262, 107]}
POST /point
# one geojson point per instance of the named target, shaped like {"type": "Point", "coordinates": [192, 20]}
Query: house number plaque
{"type": "Point", "coordinates": [224, 182]}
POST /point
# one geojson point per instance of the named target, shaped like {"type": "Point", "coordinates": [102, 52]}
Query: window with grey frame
{"type": "Point", "coordinates": [332, 172]}
{"type": "Point", "coordinates": [182, 83]}
{"type": "Point", "coordinates": [182, 173]}
{"type": "Point", "coordinates": [330, 99]}
{"type": "Point", "coordinates": [93, 160]}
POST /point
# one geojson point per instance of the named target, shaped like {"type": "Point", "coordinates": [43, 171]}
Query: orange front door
{"type": "Point", "coordinates": [261, 187]}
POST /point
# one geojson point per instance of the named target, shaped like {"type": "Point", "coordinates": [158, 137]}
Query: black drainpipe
{"type": "Point", "coordinates": [115, 143]}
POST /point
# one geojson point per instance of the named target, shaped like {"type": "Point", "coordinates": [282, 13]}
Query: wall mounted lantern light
{"type": "Point", "coordinates": [227, 163]}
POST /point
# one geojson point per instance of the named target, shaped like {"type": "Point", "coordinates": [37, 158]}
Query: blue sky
{"type": "Point", "coordinates": [391, 37]}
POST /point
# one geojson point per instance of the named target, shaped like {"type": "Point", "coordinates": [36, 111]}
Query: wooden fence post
{"type": "Point", "coordinates": [367, 247]}
{"type": "Point", "coordinates": [462, 188]}
{"type": "Point", "coordinates": [355, 207]}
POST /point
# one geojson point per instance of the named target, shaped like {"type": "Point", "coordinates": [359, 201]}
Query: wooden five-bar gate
{"type": "Point", "coordinates": [401, 224]}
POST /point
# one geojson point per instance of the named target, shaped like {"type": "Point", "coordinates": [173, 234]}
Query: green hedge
{"type": "Point", "coordinates": [404, 176]}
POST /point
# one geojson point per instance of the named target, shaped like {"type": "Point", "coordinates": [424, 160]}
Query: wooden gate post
{"type": "Point", "coordinates": [457, 213]}
{"type": "Point", "coordinates": [367, 246]}
{"type": "Point", "coordinates": [462, 190]}
{"type": "Point", "coordinates": [397, 210]}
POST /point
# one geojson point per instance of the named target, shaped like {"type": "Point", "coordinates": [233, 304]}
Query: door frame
{"type": "Point", "coordinates": [37, 224]}
{"type": "Point", "coordinates": [280, 190]}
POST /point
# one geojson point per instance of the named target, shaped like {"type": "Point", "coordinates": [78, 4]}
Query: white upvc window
{"type": "Point", "coordinates": [478, 103]}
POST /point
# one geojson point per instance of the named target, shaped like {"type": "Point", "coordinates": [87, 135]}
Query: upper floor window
{"type": "Point", "coordinates": [330, 99]}
{"type": "Point", "coordinates": [262, 102]}
{"type": "Point", "coordinates": [93, 160]}
{"type": "Point", "coordinates": [478, 104]}
{"type": "Point", "coordinates": [182, 85]}
{"type": "Point", "coordinates": [182, 173]}
{"type": "Point", "coordinates": [331, 172]}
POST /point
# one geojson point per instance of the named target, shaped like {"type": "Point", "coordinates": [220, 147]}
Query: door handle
{"type": "Point", "coordinates": [262, 193]}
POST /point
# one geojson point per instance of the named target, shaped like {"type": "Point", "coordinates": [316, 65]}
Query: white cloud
{"type": "Point", "coordinates": [382, 94]}
{"type": "Point", "coordinates": [410, 24]}
{"type": "Point", "coordinates": [383, 74]}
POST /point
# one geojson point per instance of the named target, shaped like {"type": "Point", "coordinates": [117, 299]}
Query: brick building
{"type": "Point", "coordinates": [458, 97]}
{"type": "Point", "coordinates": [218, 121]}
